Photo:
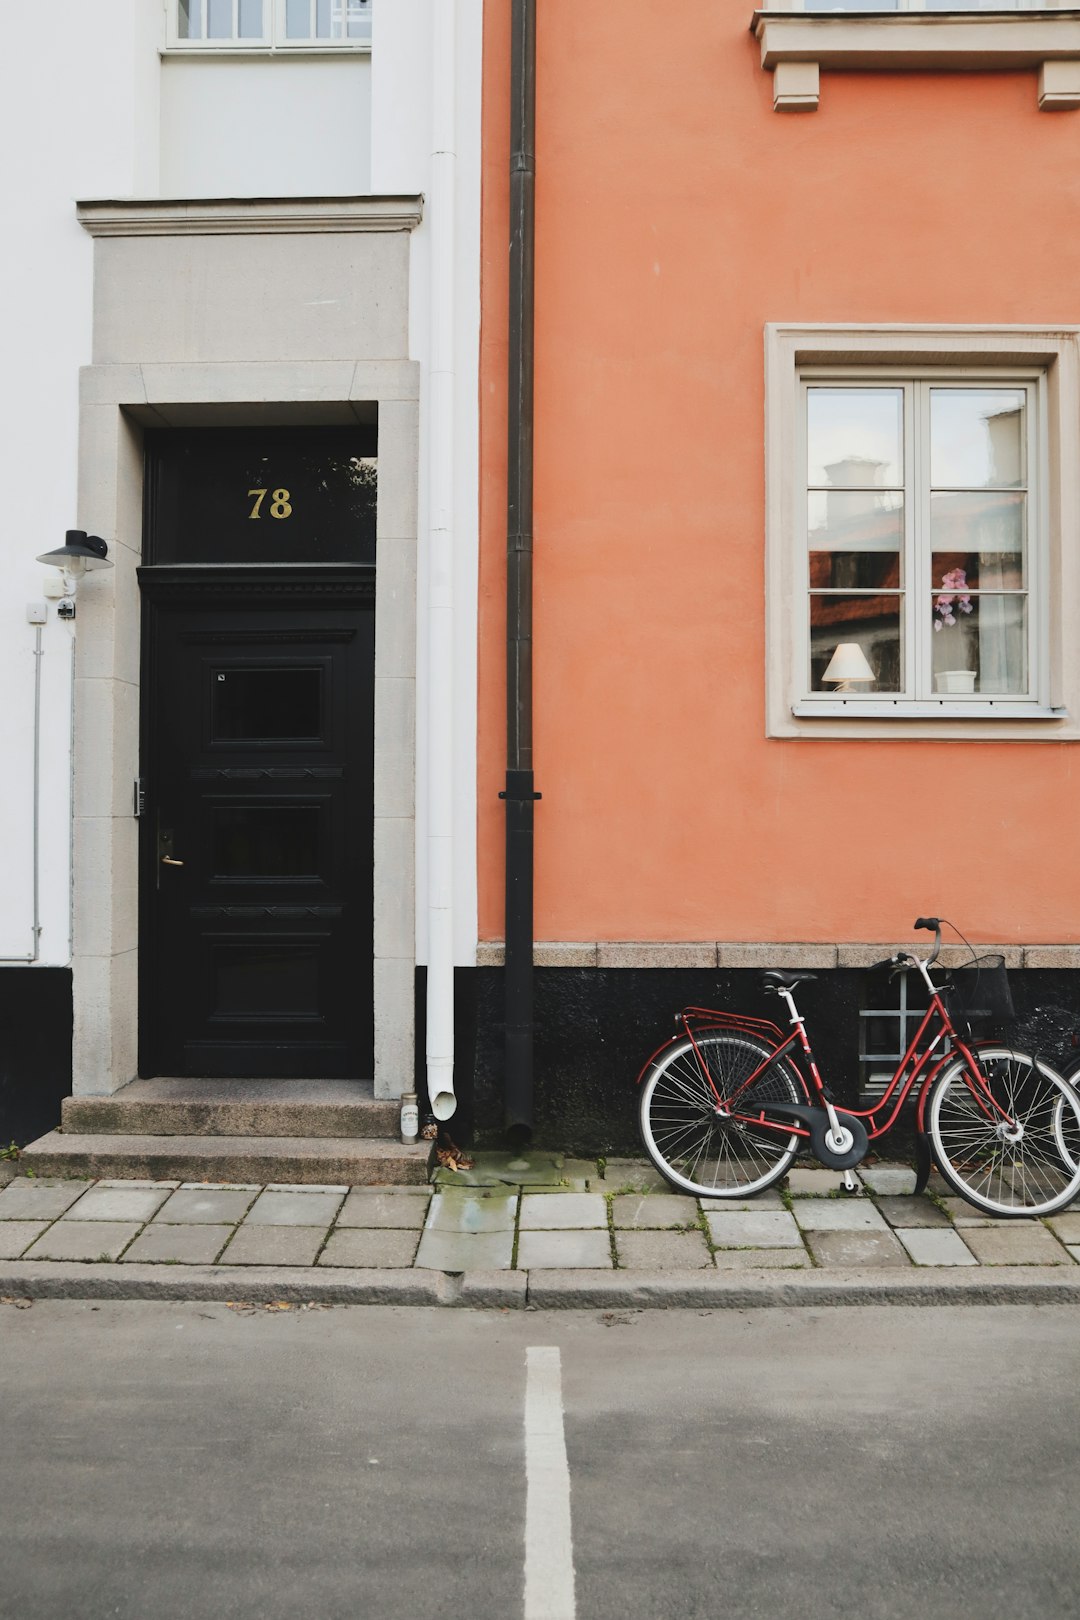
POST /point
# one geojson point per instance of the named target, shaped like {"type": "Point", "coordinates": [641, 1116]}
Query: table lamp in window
{"type": "Point", "coordinates": [848, 667]}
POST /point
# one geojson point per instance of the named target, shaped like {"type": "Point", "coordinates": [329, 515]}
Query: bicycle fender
{"type": "Point", "coordinates": [924, 1161]}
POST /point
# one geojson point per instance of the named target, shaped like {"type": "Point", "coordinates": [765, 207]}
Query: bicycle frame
{"type": "Point", "coordinates": [698, 1020]}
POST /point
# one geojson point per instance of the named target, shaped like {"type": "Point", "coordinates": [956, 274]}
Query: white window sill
{"type": "Point", "coordinates": [248, 52]}
{"type": "Point", "coordinates": [906, 709]}
{"type": "Point", "coordinates": [796, 45]}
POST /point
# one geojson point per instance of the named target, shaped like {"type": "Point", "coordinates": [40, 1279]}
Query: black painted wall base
{"type": "Point", "coordinates": [35, 1050]}
{"type": "Point", "coordinates": [596, 1027]}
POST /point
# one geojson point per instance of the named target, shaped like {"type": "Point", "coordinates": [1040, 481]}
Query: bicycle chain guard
{"type": "Point", "coordinates": [817, 1123]}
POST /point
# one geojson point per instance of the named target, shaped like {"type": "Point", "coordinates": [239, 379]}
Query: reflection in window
{"type": "Point", "coordinates": [272, 22]}
{"type": "Point", "coordinates": [946, 515]}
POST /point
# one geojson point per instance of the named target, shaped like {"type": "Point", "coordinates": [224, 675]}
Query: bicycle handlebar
{"type": "Point", "coordinates": [935, 924]}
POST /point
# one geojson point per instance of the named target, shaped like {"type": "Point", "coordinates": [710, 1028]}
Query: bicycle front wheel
{"type": "Point", "coordinates": [695, 1147]}
{"type": "Point", "coordinates": [999, 1135]}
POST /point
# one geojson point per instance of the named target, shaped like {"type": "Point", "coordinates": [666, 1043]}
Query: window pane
{"type": "Point", "coordinates": [189, 19]}
{"type": "Point", "coordinates": [266, 841]}
{"type": "Point", "coordinates": [868, 629]}
{"type": "Point", "coordinates": [322, 20]}
{"type": "Point", "coordinates": [262, 705]}
{"type": "Point", "coordinates": [855, 539]}
{"type": "Point", "coordinates": [978, 541]}
{"type": "Point", "coordinates": [977, 438]}
{"type": "Point", "coordinates": [855, 437]}
{"type": "Point", "coordinates": [219, 21]}
{"type": "Point", "coordinates": [298, 19]}
{"type": "Point", "coordinates": [985, 650]}
{"type": "Point", "coordinates": [251, 19]}
{"type": "Point", "coordinates": [358, 21]}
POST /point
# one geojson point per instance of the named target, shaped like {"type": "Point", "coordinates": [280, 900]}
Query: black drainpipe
{"type": "Point", "coordinates": [519, 794]}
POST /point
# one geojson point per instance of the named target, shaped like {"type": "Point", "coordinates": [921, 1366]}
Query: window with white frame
{"type": "Point", "coordinates": [923, 562]}
{"type": "Point", "coordinates": [270, 24]}
{"type": "Point", "coordinates": [922, 494]}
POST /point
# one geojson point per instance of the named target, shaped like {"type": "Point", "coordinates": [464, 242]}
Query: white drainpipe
{"type": "Point", "coordinates": [440, 604]}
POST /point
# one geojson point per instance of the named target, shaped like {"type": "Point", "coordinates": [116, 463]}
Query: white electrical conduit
{"type": "Point", "coordinates": [440, 601]}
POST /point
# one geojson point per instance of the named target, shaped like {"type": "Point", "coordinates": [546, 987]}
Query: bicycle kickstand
{"type": "Point", "coordinates": [848, 1182]}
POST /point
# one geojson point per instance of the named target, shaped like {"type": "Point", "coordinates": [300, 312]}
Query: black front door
{"type": "Point", "coordinates": [257, 840]}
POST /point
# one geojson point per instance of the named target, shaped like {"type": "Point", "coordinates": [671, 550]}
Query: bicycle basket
{"type": "Point", "coordinates": [980, 991]}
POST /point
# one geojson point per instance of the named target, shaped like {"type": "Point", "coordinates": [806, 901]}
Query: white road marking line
{"type": "Point", "coordinates": [549, 1550]}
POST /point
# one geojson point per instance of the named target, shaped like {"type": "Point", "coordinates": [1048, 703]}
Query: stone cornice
{"type": "Point", "coordinates": [798, 44]}
{"type": "Point", "coordinates": [244, 216]}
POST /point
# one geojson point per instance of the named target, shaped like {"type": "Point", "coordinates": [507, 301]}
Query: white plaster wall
{"type": "Point", "coordinates": [85, 136]}
{"type": "Point", "coordinates": [265, 127]}
{"type": "Point", "coordinates": [400, 162]}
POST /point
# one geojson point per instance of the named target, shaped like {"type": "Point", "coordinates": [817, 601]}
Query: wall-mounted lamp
{"type": "Point", "coordinates": [79, 552]}
{"type": "Point", "coordinates": [848, 667]}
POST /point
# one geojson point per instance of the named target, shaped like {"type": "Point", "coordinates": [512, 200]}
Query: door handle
{"type": "Point", "coordinates": [167, 860]}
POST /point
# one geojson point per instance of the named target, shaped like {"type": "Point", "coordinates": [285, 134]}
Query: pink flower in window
{"type": "Point", "coordinates": [954, 596]}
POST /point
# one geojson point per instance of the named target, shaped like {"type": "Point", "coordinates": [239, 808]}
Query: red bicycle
{"type": "Point", "coordinates": [728, 1102]}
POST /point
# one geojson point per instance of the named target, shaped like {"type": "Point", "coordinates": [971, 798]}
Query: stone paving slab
{"type": "Point", "coordinates": [838, 1215]}
{"type": "Point", "coordinates": [357, 1248]}
{"type": "Point", "coordinates": [763, 1201]}
{"type": "Point", "coordinates": [466, 1251]}
{"type": "Point", "coordinates": [1066, 1226]}
{"type": "Point", "coordinates": [564, 1250]}
{"type": "Point", "coordinates": [84, 1240]}
{"type": "Point", "coordinates": [117, 1203]}
{"type": "Point", "coordinates": [661, 1251]}
{"type": "Point", "coordinates": [294, 1209]}
{"type": "Point", "coordinates": [26, 1200]}
{"type": "Point", "coordinates": [125, 1185]}
{"type": "Point", "coordinates": [404, 1207]}
{"type": "Point", "coordinates": [771, 1229]}
{"type": "Point", "coordinates": [178, 1245]}
{"type": "Point", "coordinates": [813, 1181]}
{"type": "Point", "coordinates": [850, 1248]}
{"type": "Point", "coordinates": [629, 1176]}
{"type": "Point", "coordinates": [305, 1187]}
{"type": "Point", "coordinates": [473, 1210]}
{"type": "Point", "coordinates": [274, 1246]}
{"type": "Point", "coordinates": [226, 1186]}
{"type": "Point", "coordinates": [576, 1210]}
{"type": "Point", "coordinates": [652, 1210]}
{"type": "Point", "coordinates": [15, 1236]}
{"type": "Point", "coordinates": [189, 1207]}
{"type": "Point", "coordinates": [760, 1259]}
{"type": "Point", "coordinates": [908, 1212]}
{"type": "Point", "coordinates": [887, 1179]}
{"type": "Point", "coordinates": [1016, 1244]}
{"type": "Point", "coordinates": [961, 1213]}
{"type": "Point", "coordinates": [933, 1247]}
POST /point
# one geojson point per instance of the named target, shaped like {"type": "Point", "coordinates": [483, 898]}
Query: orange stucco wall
{"type": "Point", "coordinates": [676, 214]}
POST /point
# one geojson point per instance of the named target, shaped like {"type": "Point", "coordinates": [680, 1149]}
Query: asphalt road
{"type": "Point", "coordinates": [160, 1462]}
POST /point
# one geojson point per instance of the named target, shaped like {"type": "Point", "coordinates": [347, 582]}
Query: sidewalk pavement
{"type": "Point", "coordinates": [538, 1230]}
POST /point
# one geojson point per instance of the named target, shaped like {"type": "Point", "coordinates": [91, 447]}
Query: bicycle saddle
{"type": "Point", "coordinates": [774, 978]}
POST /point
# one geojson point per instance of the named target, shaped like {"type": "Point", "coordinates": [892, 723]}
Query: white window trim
{"type": "Point", "coordinates": [1052, 356]}
{"type": "Point", "coordinates": [272, 43]}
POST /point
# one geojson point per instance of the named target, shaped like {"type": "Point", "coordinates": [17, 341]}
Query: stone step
{"type": "Point", "coordinates": [352, 1161]}
{"type": "Point", "coordinates": [298, 1108]}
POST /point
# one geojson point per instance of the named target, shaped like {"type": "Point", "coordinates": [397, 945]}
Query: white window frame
{"type": "Point", "coordinates": [1047, 363]}
{"type": "Point", "coordinates": [272, 42]}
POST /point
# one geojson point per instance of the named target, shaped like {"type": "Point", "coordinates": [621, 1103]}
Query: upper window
{"type": "Point", "coordinates": [922, 555]}
{"type": "Point", "coordinates": [920, 504]}
{"type": "Point", "coordinates": [270, 24]}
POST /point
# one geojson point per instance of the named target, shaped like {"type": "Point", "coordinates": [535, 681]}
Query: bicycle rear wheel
{"type": "Point", "coordinates": [694, 1147]}
{"type": "Point", "coordinates": [1010, 1163]}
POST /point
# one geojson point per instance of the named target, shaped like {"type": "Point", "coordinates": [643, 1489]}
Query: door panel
{"type": "Point", "coordinates": [257, 838]}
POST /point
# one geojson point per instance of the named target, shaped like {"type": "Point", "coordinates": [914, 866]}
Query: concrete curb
{"type": "Point", "coordinates": [544, 1290]}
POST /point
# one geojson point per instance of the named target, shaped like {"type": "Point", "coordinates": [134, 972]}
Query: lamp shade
{"type": "Point", "coordinates": [848, 663]}
{"type": "Point", "coordinates": [79, 552]}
